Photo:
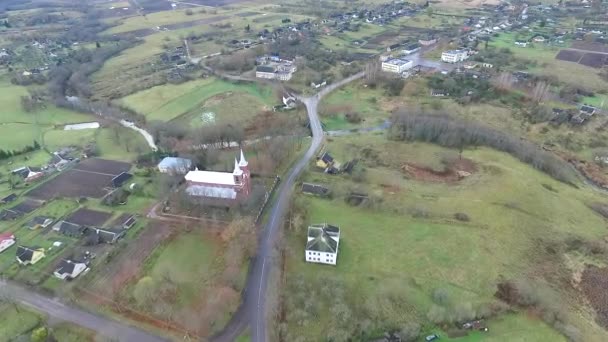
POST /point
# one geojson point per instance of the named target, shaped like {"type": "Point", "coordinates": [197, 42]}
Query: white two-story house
{"type": "Point", "coordinates": [322, 244]}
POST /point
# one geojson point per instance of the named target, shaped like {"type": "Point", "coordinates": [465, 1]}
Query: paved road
{"type": "Point", "coordinates": [56, 309]}
{"type": "Point", "coordinates": [252, 311]}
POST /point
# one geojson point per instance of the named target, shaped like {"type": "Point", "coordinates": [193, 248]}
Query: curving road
{"type": "Point", "coordinates": [252, 311]}
{"type": "Point", "coordinates": [104, 326]}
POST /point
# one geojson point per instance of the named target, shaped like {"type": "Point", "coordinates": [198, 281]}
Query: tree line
{"type": "Point", "coordinates": [6, 154]}
{"type": "Point", "coordinates": [454, 133]}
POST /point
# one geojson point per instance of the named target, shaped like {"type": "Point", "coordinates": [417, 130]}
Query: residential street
{"type": "Point", "coordinates": [60, 311]}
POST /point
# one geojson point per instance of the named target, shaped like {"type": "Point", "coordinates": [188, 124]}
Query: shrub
{"type": "Point", "coordinates": [462, 217]}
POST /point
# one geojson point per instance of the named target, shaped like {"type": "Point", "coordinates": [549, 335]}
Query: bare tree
{"type": "Point", "coordinates": [540, 91]}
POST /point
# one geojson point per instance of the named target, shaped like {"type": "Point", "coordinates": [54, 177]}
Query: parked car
{"type": "Point", "coordinates": [431, 338]}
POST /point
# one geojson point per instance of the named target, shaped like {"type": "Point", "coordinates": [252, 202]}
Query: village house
{"type": "Point", "coordinates": [322, 244]}
{"type": "Point", "coordinates": [454, 56]}
{"type": "Point", "coordinates": [96, 236]}
{"type": "Point", "coordinates": [39, 222]}
{"type": "Point", "coordinates": [396, 65]}
{"type": "Point", "coordinates": [326, 162]}
{"type": "Point", "coordinates": [28, 174]}
{"type": "Point", "coordinates": [69, 269]}
{"type": "Point", "coordinates": [69, 229]}
{"type": "Point", "coordinates": [232, 186]}
{"type": "Point", "coordinates": [174, 165]}
{"type": "Point", "coordinates": [29, 255]}
{"type": "Point", "coordinates": [6, 240]}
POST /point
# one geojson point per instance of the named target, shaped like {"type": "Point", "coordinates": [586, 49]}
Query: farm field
{"type": "Point", "coordinates": [167, 102]}
{"type": "Point", "coordinates": [544, 55]}
{"type": "Point", "coordinates": [407, 236]}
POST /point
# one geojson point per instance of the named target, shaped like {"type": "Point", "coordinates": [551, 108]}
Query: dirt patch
{"type": "Point", "coordinates": [569, 55]}
{"type": "Point", "coordinates": [217, 99]}
{"type": "Point", "coordinates": [27, 206]}
{"type": "Point", "coordinates": [91, 178]}
{"type": "Point", "coordinates": [593, 285]}
{"type": "Point", "coordinates": [454, 171]}
{"type": "Point", "coordinates": [110, 167]}
{"type": "Point", "coordinates": [590, 59]}
{"type": "Point", "coordinates": [89, 217]}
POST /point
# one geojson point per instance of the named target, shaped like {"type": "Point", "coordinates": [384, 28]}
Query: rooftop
{"type": "Point", "coordinates": [323, 238]}
{"type": "Point", "coordinates": [210, 177]}
{"type": "Point", "coordinates": [397, 61]}
{"type": "Point", "coordinates": [169, 162]}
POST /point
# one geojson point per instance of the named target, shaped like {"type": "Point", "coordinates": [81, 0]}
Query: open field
{"type": "Point", "coordinates": [29, 125]}
{"type": "Point", "coordinates": [16, 321]}
{"type": "Point", "coordinates": [167, 102]}
{"type": "Point", "coordinates": [547, 64]}
{"type": "Point", "coordinates": [405, 243]}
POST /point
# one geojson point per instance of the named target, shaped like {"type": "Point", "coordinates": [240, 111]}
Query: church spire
{"type": "Point", "coordinates": [243, 162]}
{"type": "Point", "coordinates": [237, 169]}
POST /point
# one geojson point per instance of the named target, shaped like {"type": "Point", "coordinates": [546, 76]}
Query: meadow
{"type": "Point", "coordinates": [187, 271]}
{"type": "Point", "coordinates": [406, 244]}
{"type": "Point", "coordinates": [167, 102]}
{"type": "Point", "coordinates": [544, 55]}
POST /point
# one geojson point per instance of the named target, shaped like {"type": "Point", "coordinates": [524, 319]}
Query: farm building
{"type": "Point", "coordinates": [233, 186]}
{"type": "Point", "coordinates": [322, 244]}
{"type": "Point", "coordinates": [69, 269]}
{"type": "Point", "coordinates": [315, 189]}
{"type": "Point", "coordinates": [6, 240]}
{"type": "Point", "coordinates": [69, 229]}
{"type": "Point", "coordinates": [29, 255]}
{"type": "Point", "coordinates": [175, 165]}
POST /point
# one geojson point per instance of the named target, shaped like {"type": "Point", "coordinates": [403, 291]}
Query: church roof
{"type": "Point", "coordinates": [211, 191]}
{"type": "Point", "coordinates": [211, 177]}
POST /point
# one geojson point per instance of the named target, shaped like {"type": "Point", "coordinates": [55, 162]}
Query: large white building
{"type": "Point", "coordinates": [454, 56]}
{"type": "Point", "coordinates": [322, 244]}
{"type": "Point", "coordinates": [397, 65]}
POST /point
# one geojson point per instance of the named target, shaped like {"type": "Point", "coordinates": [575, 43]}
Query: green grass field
{"type": "Point", "coordinates": [30, 126]}
{"type": "Point", "coordinates": [66, 332]}
{"type": "Point", "coordinates": [195, 256]}
{"type": "Point", "coordinates": [353, 98]}
{"type": "Point", "coordinates": [167, 102]}
{"type": "Point", "coordinates": [544, 54]}
{"type": "Point", "coordinates": [16, 321]}
{"type": "Point", "coordinates": [407, 244]}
